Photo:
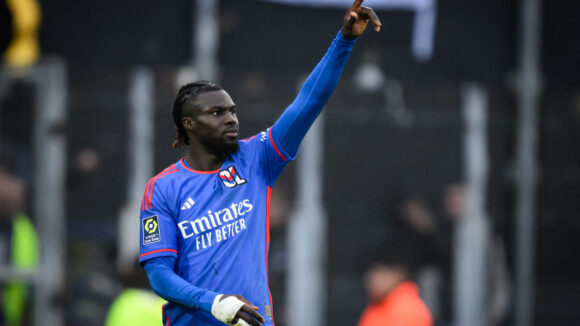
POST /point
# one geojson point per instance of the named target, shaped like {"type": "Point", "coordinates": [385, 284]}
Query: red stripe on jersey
{"type": "Point", "coordinates": [276, 148]}
{"type": "Point", "coordinates": [149, 188]}
{"type": "Point", "coordinates": [144, 204]}
{"type": "Point", "coordinates": [156, 251]}
{"type": "Point", "coordinates": [249, 138]}
{"type": "Point", "coordinates": [143, 201]}
{"type": "Point", "coordinates": [268, 196]}
{"type": "Point", "coordinates": [165, 314]}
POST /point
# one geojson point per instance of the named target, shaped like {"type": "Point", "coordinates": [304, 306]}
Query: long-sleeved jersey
{"type": "Point", "coordinates": [216, 223]}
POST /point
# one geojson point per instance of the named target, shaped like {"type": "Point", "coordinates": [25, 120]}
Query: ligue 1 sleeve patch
{"type": "Point", "coordinates": [151, 232]}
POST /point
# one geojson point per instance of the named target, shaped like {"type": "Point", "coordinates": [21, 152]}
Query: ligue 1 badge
{"type": "Point", "coordinates": [151, 232]}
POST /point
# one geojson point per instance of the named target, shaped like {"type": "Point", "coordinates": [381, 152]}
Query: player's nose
{"type": "Point", "coordinates": [231, 119]}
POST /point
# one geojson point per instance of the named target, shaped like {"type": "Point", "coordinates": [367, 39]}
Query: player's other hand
{"type": "Point", "coordinates": [357, 19]}
{"type": "Point", "coordinates": [236, 311]}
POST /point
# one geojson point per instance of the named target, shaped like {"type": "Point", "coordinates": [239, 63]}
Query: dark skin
{"type": "Point", "coordinates": [213, 125]}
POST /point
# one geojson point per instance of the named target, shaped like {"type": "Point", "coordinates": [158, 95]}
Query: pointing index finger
{"type": "Point", "coordinates": [373, 17]}
{"type": "Point", "coordinates": [356, 4]}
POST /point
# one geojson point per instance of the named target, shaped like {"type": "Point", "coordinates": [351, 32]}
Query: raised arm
{"type": "Point", "coordinates": [293, 124]}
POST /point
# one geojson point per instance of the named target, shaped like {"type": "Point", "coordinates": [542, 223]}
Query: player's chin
{"type": "Point", "coordinates": [230, 140]}
{"type": "Point", "coordinates": [231, 147]}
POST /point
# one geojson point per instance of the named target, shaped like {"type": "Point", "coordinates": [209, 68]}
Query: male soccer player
{"type": "Point", "coordinates": [205, 219]}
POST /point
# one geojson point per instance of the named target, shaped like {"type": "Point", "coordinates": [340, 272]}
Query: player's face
{"type": "Point", "coordinates": [215, 122]}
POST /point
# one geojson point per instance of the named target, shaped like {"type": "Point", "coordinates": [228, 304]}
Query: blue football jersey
{"type": "Point", "coordinates": [216, 224]}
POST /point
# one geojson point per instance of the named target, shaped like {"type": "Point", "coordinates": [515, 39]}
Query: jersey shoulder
{"type": "Point", "coordinates": [169, 173]}
{"type": "Point", "coordinates": [251, 147]}
{"type": "Point", "coordinates": [257, 138]}
{"type": "Point", "coordinates": [159, 183]}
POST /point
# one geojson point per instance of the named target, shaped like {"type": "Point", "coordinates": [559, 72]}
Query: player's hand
{"type": "Point", "coordinates": [357, 19]}
{"type": "Point", "coordinates": [236, 311]}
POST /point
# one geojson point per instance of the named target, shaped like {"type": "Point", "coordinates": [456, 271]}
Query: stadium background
{"type": "Point", "coordinates": [371, 161]}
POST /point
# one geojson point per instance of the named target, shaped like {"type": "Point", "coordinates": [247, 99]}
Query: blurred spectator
{"type": "Point", "coordinates": [393, 298]}
{"type": "Point", "coordinates": [18, 244]}
{"type": "Point", "coordinates": [93, 283]}
{"type": "Point", "coordinates": [135, 305]}
{"type": "Point", "coordinates": [425, 242]}
{"type": "Point", "coordinates": [499, 283]}
{"type": "Point", "coordinates": [454, 201]}
{"type": "Point", "coordinates": [84, 186]}
{"type": "Point", "coordinates": [87, 160]}
{"type": "Point", "coordinates": [421, 233]}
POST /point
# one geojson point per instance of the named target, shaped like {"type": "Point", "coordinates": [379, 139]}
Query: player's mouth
{"type": "Point", "coordinates": [233, 133]}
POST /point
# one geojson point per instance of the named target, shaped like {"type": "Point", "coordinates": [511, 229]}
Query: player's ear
{"type": "Point", "coordinates": [188, 123]}
{"type": "Point", "coordinates": [190, 116]}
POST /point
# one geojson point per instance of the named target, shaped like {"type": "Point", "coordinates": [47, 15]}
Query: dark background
{"type": "Point", "coordinates": [370, 161]}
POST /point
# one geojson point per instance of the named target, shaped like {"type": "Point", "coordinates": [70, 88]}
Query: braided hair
{"type": "Point", "coordinates": [184, 102]}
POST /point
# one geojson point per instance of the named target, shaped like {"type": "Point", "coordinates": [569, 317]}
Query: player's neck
{"type": "Point", "coordinates": [202, 160]}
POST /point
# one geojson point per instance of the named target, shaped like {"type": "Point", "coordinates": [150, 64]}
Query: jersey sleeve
{"type": "Point", "coordinates": [293, 124]}
{"type": "Point", "coordinates": [278, 145]}
{"type": "Point", "coordinates": [271, 158]}
{"type": "Point", "coordinates": [171, 287]}
{"type": "Point", "coordinates": [158, 230]}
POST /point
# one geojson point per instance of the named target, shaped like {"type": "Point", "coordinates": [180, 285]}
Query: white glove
{"type": "Point", "coordinates": [226, 310]}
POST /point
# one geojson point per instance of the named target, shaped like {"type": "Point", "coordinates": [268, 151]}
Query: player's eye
{"type": "Point", "coordinates": [215, 113]}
